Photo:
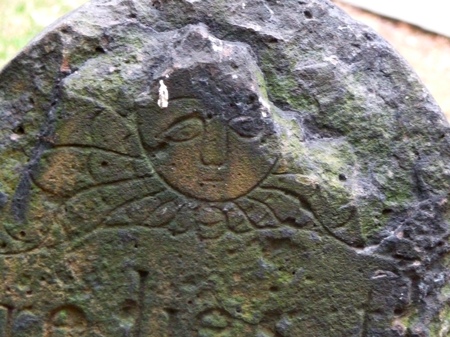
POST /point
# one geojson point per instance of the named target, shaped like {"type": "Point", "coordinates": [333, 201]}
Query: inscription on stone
{"type": "Point", "coordinates": [202, 168]}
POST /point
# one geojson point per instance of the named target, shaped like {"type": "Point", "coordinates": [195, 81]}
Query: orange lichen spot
{"type": "Point", "coordinates": [61, 172]}
{"type": "Point", "coordinates": [65, 66]}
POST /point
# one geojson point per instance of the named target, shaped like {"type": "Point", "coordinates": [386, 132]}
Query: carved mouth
{"type": "Point", "coordinates": [211, 183]}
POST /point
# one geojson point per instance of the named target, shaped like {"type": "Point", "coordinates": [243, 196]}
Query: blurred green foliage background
{"type": "Point", "coordinates": [21, 20]}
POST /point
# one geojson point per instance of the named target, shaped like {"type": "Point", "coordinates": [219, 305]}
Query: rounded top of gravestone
{"type": "Point", "coordinates": [211, 168]}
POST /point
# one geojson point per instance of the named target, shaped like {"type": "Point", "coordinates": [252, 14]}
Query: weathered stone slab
{"type": "Point", "coordinates": [209, 168]}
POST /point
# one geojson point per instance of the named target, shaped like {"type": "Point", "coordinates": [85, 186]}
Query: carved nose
{"type": "Point", "coordinates": [214, 147]}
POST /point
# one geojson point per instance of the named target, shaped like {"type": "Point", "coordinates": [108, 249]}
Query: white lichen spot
{"type": "Point", "coordinates": [163, 100]}
{"type": "Point", "coordinates": [14, 137]}
{"type": "Point", "coordinates": [217, 45]}
{"type": "Point", "coordinates": [234, 76]}
{"type": "Point", "coordinates": [243, 5]}
{"type": "Point", "coordinates": [265, 111]}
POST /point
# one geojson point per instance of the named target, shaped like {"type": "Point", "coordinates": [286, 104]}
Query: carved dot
{"type": "Point", "coordinates": [19, 130]}
{"type": "Point", "coordinates": [29, 292]}
{"type": "Point", "coordinates": [342, 177]}
{"type": "Point", "coordinates": [308, 14]}
{"type": "Point", "coordinates": [104, 163]}
{"type": "Point", "coordinates": [22, 234]}
{"type": "Point", "coordinates": [3, 244]}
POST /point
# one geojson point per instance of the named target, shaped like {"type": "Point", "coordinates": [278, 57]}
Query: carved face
{"type": "Point", "coordinates": [208, 155]}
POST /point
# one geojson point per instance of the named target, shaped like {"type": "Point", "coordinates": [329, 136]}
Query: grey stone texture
{"type": "Point", "coordinates": [220, 168]}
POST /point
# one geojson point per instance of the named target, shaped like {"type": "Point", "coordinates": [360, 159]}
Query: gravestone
{"type": "Point", "coordinates": [210, 168]}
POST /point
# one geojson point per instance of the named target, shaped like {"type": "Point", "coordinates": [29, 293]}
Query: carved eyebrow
{"type": "Point", "coordinates": [184, 130]}
{"type": "Point", "coordinates": [180, 119]}
{"type": "Point", "coordinates": [255, 127]}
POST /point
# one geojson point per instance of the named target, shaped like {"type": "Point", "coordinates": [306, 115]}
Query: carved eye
{"type": "Point", "coordinates": [247, 127]}
{"type": "Point", "coordinates": [185, 130]}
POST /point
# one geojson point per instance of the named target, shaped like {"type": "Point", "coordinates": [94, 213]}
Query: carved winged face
{"type": "Point", "coordinates": [204, 154]}
{"type": "Point", "coordinates": [202, 216]}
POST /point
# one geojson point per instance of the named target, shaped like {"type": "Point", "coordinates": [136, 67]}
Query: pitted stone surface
{"type": "Point", "coordinates": [210, 168]}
